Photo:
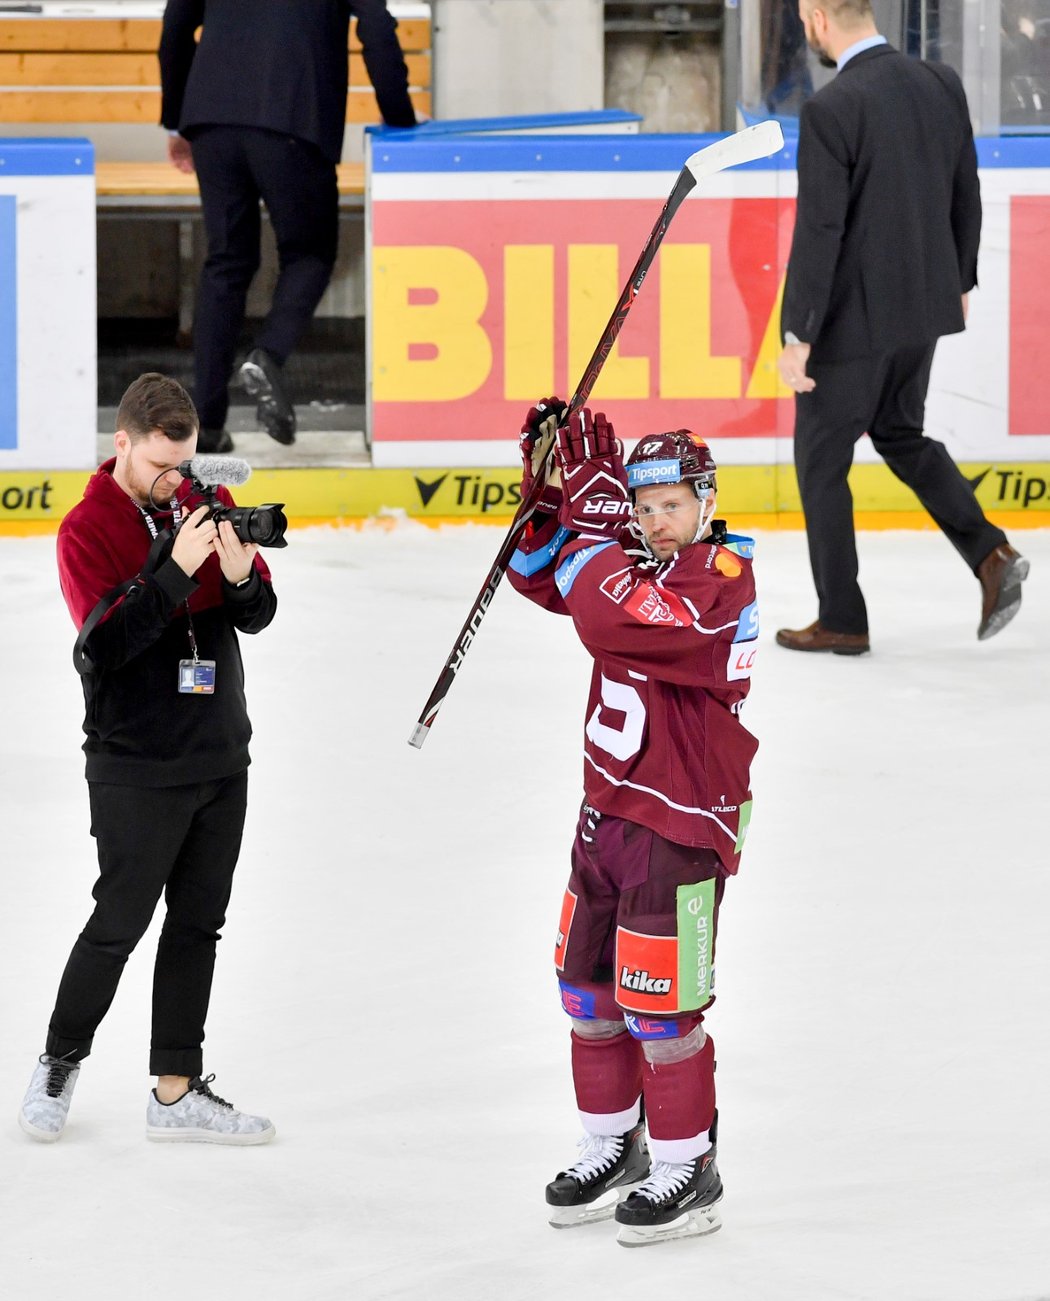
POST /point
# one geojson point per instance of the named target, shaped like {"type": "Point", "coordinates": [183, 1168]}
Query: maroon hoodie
{"type": "Point", "coordinates": [140, 730]}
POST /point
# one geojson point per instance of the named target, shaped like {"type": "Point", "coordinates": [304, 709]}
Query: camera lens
{"type": "Point", "coordinates": [265, 525]}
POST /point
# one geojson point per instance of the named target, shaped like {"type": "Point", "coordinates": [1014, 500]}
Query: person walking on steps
{"type": "Point", "coordinates": [258, 110]}
{"type": "Point", "coordinates": [883, 257]}
{"type": "Point", "coordinates": [167, 736]}
{"type": "Point", "coordinates": [663, 599]}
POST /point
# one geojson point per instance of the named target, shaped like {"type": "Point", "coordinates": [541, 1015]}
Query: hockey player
{"type": "Point", "coordinates": [664, 601]}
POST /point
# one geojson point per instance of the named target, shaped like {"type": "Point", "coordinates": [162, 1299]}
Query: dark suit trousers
{"type": "Point", "coordinates": [179, 841]}
{"type": "Point", "coordinates": [885, 397]}
{"type": "Point", "coordinates": [236, 167]}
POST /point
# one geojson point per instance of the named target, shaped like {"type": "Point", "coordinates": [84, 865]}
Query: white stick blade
{"type": "Point", "coordinates": [754, 142]}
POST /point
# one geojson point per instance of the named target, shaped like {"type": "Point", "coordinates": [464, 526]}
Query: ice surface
{"type": "Point", "coordinates": [384, 989]}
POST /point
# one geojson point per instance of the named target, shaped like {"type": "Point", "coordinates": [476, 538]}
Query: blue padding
{"type": "Point", "coordinates": [577, 1002]}
{"type": "Point", "coordinates": [528, 563]}
{"type": "Point", "coordinates": [408, 151]}
{"type": "Point", "coordinates": [532, 122]}
{"type": "Point", "coordinates": [567, 573]}
{"type": "Point", "coordinates": [741, 544]}
{"type": "Point", "coordinates": [651, 1027]}
{"type": "Point", "coordinates": [8, 322]}
{"type": "Point", "coordinates": [47, 156]}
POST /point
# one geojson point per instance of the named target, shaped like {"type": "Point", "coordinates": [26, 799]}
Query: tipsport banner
{"type": "Point", "coordinates": [495, 263]}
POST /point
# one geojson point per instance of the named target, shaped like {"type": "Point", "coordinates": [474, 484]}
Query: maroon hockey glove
{"type": "Point", "coordinates": [595, 501]}
{"type": "Point", "coordinates": [536, 443]}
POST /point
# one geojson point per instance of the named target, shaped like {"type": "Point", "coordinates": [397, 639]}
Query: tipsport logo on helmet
{"type": "Point", "coordinates": [650, 472]}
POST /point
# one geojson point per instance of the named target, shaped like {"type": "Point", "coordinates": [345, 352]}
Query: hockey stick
{"type": "Point", "coordinates": [745, 146]}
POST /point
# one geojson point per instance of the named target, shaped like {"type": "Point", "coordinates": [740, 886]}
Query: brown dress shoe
{"type": "Point", "coordinates": [816, 638]}
{"type": "Point", "coordinates": [1000, 574]}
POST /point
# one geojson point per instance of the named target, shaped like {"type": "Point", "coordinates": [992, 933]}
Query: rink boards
{"type": "Point", "coordinates": [1018, 495]}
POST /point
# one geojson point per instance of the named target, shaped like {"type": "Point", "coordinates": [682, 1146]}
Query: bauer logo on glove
{"type": "Point", "coordinates": [594, 483]}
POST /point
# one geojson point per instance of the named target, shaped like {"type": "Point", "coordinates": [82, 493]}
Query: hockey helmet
{"type": "Point", "coordinates": [679, 456]}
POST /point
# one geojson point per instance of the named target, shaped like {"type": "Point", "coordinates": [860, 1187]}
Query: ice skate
{"type": "Point", "coordinates": [46, 1104]}
{"type": "Point", "coordinates": [676, 1201]}
{"type": "Point", "coordinates": [199, 1116]}
{"type": "Point", "coordinates": [607, 1168]}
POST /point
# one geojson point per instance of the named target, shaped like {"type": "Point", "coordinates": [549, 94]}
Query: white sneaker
{"type": "Point", "coordinates": [199, 1116]}
{"type": "Point", "coordinates": [46, 1104]}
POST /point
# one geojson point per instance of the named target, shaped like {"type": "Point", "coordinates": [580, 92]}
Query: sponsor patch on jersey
{"type": "Point", "coordinates": [577, 1002]}
{"type": "Point", "coordinates": [653, 605]}
{"type": "Point", "coordinates": [568, 911]}
{"type": "Point", "coordinates": [695, 906]}
{"type": "Point", "coordinates": [727, 564]}
{"type": "Point", "coordinates": [646, 971]}
{"type": "Point", "coordinates": [742, 826]}
{"type": "Point", "coordinates": [617, 585]}
{"type": "Point", "coordinates": [646, 1027]}
{"type": "Point", "coordinates": [528, 563]}
{"type": "Point", "coordinates": [741, 660]}
{"type": "Point", "coordinates": [747, 623]}
{"type": "Point", "coordinates": [567, 573]}
{"type": "Point", "coordinates": [741, 544]}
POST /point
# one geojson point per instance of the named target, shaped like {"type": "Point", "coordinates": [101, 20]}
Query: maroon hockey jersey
{"type": "Point", "coordinates": [673, 647]}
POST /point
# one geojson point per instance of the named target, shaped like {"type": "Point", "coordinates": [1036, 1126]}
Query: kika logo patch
{"type": "Point", "coordinates": [643, 983]}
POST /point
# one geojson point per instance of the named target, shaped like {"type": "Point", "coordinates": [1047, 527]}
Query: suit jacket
{"type": "Point", "coordinates": [277, 64]}
{"type": "Point", "coordinates": [889, 209]}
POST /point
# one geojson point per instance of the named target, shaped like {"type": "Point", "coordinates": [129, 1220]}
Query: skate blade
{"type": "Point", "coordinates": [596, 1212]}
{"type": "Point", "coordinates": [694, 1224]}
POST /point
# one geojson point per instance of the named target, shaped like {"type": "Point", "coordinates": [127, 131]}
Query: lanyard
{"type": "Point", "coordinates": [151, 524]}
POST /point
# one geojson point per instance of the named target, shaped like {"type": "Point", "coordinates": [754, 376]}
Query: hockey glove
{"type": "Point", "coordinates": [536, 443]}
{"type": "Point", "coordinates": [595, 501]}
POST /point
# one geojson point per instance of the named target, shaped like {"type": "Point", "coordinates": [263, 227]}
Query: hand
{"type": "Point", "coordinates": [965, 306]}
{"type": "Point", "coordinates": [595, 501]}
{"type": "Point", "coordinates": [180, 154]}
{"type": "Point", "coordinates": [535, 444]}
{"type": "Point", "coordinates": [195, 540]}
{"type": "Point", "coordinates": [792, 366]}
{"type": "Point", "coordinates": [235, 557]}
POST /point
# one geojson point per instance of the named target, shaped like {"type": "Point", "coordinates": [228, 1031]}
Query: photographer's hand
{"type": "Point", "coordinates": [235, 557]}
{"type": "Point", "coordinates": [195, 540]}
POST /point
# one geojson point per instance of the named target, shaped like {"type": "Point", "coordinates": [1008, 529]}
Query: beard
{"type": "Point", "coordinates": [823, 58]}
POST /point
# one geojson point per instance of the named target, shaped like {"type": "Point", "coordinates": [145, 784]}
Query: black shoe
{"type": "Point", "coordinates": [589, 1190]}
{"type": "Point", "coordinates": [261, 377]}
{"type": "Point", "coordinates": [214, 440]}
{"type": "Point", "coordinates": [1000, 574]}
{"type": "Point", "coordinates": [675, 1201]}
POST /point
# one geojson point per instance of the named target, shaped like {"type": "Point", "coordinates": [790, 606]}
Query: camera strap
{"type": "Point", "coordinates": [82, 662]}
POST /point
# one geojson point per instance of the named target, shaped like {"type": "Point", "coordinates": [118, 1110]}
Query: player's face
{"type": "Point", "coordinates": [668, 515]}
{"type": "Point", "coordinates": [148, 465]}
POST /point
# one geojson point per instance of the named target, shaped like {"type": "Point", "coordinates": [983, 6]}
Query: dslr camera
{"type": "Point", "coordinates": [264, 525]}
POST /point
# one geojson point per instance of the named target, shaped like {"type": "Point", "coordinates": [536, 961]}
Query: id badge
{"type": "Point", "coordinates": [196, 678]}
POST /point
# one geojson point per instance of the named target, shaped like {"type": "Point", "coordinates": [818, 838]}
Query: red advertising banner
{"type": "Point", "coordinates": [1029, 335]}
{"type": "Point", "coordinates": [482, 306]}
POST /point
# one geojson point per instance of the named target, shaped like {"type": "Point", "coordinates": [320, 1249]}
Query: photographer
{"type": "Point", "coordinates": [167, 756]}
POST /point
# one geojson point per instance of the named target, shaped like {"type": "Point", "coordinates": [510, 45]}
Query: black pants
{"type": "Point", "coordinates": [884, 396]}
{"type": "Point", "coordinates": [236, 167]}
{"type": "Point", "coordinates": [181, 841]}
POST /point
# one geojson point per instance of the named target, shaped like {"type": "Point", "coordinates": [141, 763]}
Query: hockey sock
{"type": "Point", "coordinates": [607, 1075]}
{"type": "Point", "coordinates": [679, 1102]}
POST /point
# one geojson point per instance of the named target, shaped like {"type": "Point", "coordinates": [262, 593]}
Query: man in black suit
{"type": "Point", "coordinates": [883, 258]}
{"type": "Point", "coordinates": [258, 110]}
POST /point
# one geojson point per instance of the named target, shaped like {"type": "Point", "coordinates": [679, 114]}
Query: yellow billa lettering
{"type": "Point", "coordinates": [453, 353]}
{"type": "Point", "coordinates": [765, 378]}
{"type": "Point", "coordinates": [528, 296]}
{"type": "Point", "coordinates": [594, 287]}
{"type": "Point", "coordinates": [687, 368]}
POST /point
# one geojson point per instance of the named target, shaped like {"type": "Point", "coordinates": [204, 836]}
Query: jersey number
{"type": "Point", "coordinates": [626, 740]}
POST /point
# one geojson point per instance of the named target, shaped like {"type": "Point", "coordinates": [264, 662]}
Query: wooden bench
{"type": "Point", "coordinates": [85, 70]}
{"type": "Point", "coordinates": [80, 72]}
